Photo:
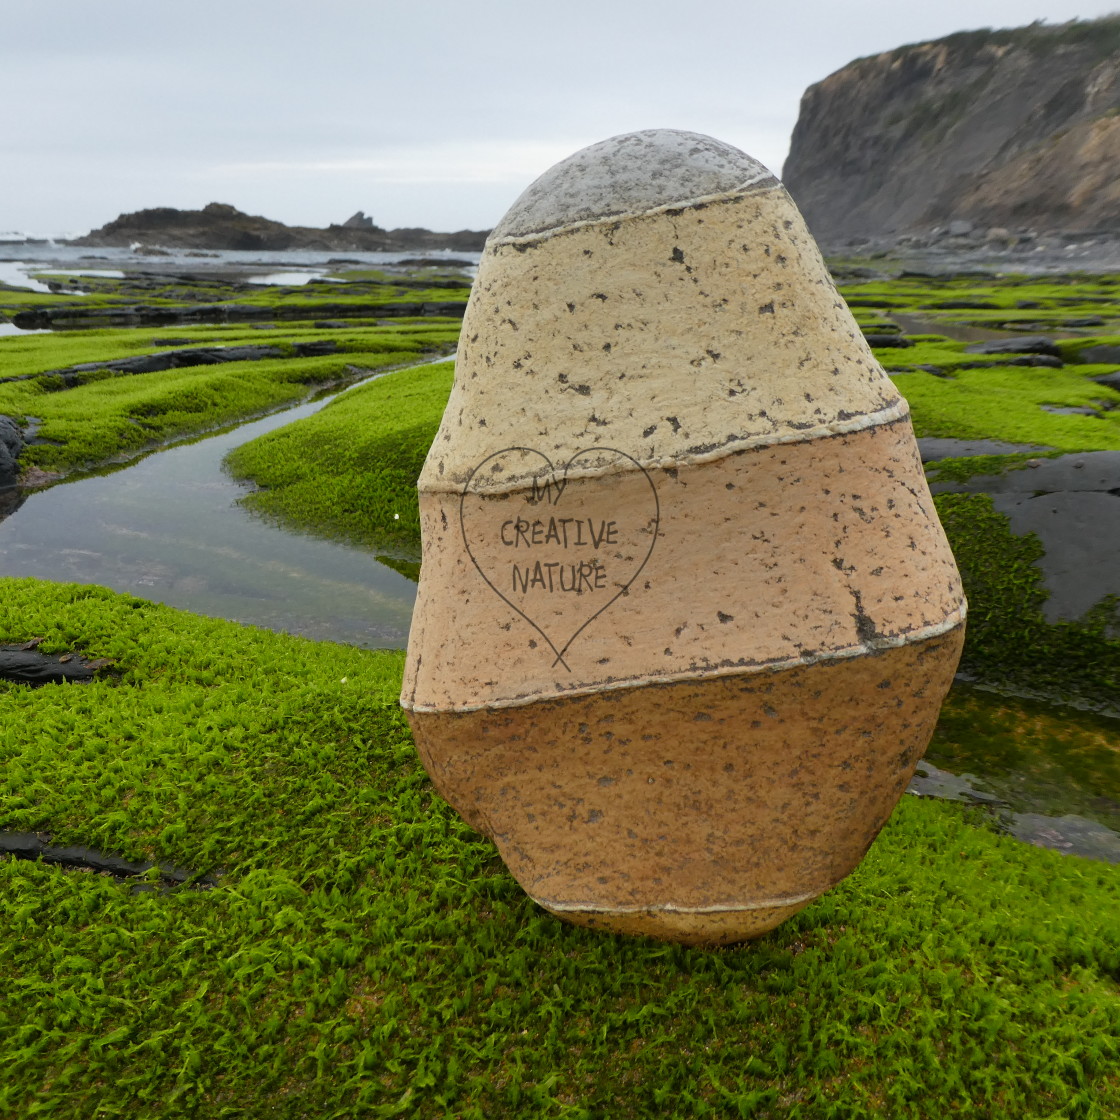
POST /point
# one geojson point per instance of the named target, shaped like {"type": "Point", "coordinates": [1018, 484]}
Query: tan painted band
{"type": "Point", "coordinates": [765, 180]}
{"type": "Point", "coordinates": [900, 410]}
{"type": "Point", "coordinates": [955, 619]}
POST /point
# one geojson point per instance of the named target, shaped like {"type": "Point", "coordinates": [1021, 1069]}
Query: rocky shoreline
{"type": "Point", "coordinates": [962, 246]}
{"type": "Point", "coordinates": [220, 226]}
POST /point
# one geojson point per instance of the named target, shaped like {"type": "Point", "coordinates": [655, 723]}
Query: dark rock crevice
{"type": "Point", "coordinates": [38, 846]}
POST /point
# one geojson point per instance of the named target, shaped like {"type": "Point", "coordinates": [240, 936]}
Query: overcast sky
{"type": "Point", "coordinates": [419, 112]}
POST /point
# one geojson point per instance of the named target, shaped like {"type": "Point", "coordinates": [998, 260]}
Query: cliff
{"type": "Point", "coordinates": [1014, 128]}
{"type": "Point", "coordinates": [219, 226]}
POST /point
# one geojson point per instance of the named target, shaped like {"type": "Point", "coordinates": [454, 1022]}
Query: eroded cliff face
{"type": "Point", "coordinates": [1013, 129]}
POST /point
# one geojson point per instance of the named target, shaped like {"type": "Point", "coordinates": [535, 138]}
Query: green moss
{"type": "Point", "coordinates": [1038, 757]}
{"type": "Point", "coordinates": [350, 470]}
{"type": "Point", "coordinates": [962, 468]}
{"type": "Point", "coordinates": [1007, 404]}
{"type": "Point", "coordinates": [1010, 643]}
{"type": "Point", "coordinates": [364, 953]}
{"type": "Point", "coordinates": [110, 413]}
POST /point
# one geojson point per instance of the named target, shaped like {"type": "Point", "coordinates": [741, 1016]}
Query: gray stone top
{"type": "Point", "coordinates": [630, 174]}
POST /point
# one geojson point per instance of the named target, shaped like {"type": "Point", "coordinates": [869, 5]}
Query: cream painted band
{"type": "Point", "coordinates": [672, 336]}
{"type": "Point", "coordinates": [957, 618]}
{"type": "Point", "coordinates": [669, 908]}
{"type": "Point", "coordinates": [764, 180]}
{"type": "Point", "coordinates": [511, 482]}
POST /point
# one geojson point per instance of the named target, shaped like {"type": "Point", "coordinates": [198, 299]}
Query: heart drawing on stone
{"type": "Point", "coordinates": [559, 544]}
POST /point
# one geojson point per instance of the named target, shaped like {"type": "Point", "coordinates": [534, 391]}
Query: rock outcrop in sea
{"type": "Point", "coordinates": [220, 226]}
{"type": "Point", "coordinates": [984, 135]}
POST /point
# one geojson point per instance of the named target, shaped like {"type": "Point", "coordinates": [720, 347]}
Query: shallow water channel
{"type": "Point", "coordinates": [168, 527]}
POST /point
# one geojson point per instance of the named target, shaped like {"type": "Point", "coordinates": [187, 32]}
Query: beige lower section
{"type": "Point", "coordinates": [698, 811]}
{"type": "Point", "coordinates": [704, 927]}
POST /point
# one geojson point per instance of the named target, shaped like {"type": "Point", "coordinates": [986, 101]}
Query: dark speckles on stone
{"type": "Point", "coordinates": [865, 626]}
{"type": "Point", "coordinates": [767, 308]}
{"type": "Point", "coordinates": [571, 307]}
{"type": "Point", "coordinates": [676, 424]}
{"type": "Point", "coordinates": [677, 254]}
{"type": "Point", "coordinates": [583, 390]}
{"type": "Point", "coordinates": [723, 617]}
{"type": "Point", "coordinates": [599, 295]}
{"type": "Point", "coordinates": [649, 431]}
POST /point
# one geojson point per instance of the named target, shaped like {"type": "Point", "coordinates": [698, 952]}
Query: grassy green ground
{"type": "Point", "coordinates": [358, 289]}
{"type": "Point", "coordinates": [112, 413]}
{"type": "Point", "coordinates": [365, 954]}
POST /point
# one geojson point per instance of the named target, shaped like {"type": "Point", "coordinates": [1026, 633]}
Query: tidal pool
{"type": "Point", "coordinates": [168, 528]}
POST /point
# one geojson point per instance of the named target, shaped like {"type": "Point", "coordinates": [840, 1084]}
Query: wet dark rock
{"type": "Point", "coordinates": [11, 444]}
{"type": "Point", "coordinates": [1102, 353]}
{"type": "Point", "coordinates": [1027, 344]}
{"type": "Point", "coordinates": [179, 359]}
{"type": "Point", "coordinates": [38, 846]}
{"type": "Point", "coordinates": [1072, 503]}
{"type": "Point", "coordinates": [432, 262]}
{"type": "Point", "coordinates": [1112, 380]}
{"type": "Point", "coordinates": [11, 498]}
{"type": "Point", "coordinates": [960, 305]}
{"type": "Point", "coordinates": [1046, 361]}
{"type": "Point", "coordinates": [46, 318]}
{"type": "Point", "coordinates": [934, 448]}
{"type": "Point", "coordinates": [884, 340]}
{"type": "Point", "coordinates": [24, 664]}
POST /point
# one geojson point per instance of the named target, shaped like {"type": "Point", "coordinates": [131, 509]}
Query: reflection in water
{"type": "Point", "coordinates": [960, 332]}
{"type": "Point", "coordinates": [1069, 833]}
{"type": "Point", "coordinates": [168, 528]}
{"type": "Point", "coordinates": [1049, 775]}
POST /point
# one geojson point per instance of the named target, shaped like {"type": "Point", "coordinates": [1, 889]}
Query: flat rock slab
{"type": "Point", "coordinates": [38, 846]}
{"type": "Point", "coordinates": [29, 666]}
{"type": "Point", "coordinates": [934, 448]}
{"type": "Point", "coordinates": [1073, 504]}
{"type": "Point", "coordinates": [1027, 344]}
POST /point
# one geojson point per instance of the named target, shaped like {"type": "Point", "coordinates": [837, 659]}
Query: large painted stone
{"type": "Point", "coordinates": [686, 614]}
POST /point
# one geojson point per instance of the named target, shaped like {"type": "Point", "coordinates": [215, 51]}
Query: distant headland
{"type": "Point", "coordinates": [220, 226]}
